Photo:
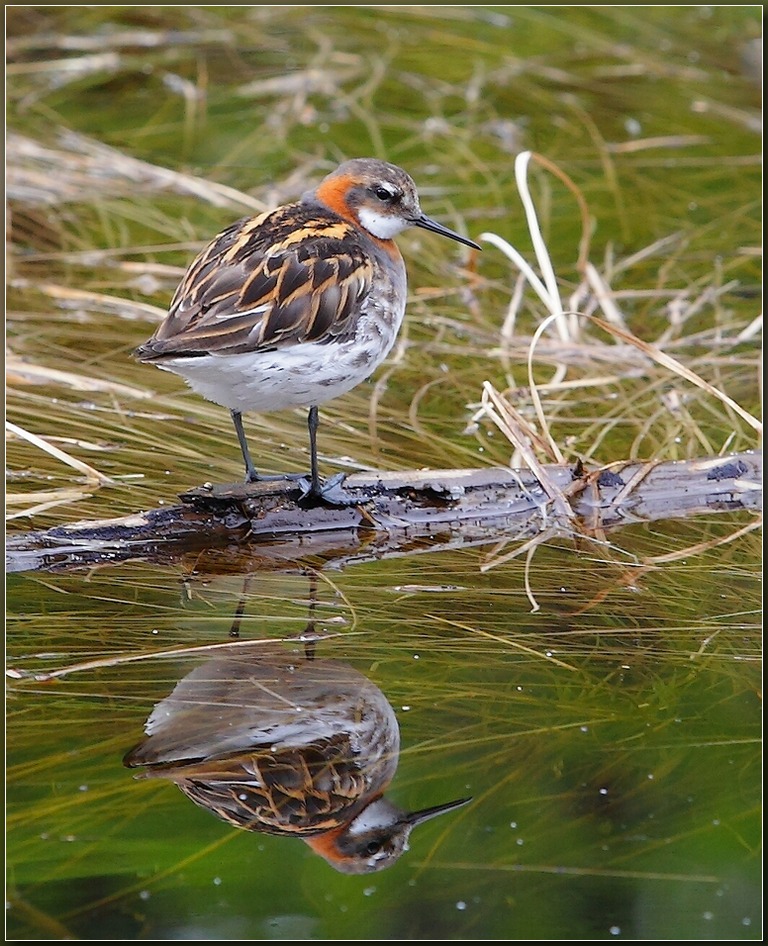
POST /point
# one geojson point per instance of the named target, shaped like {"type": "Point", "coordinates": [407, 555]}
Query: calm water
{"type": "Point", "coordinates": [598, 700]}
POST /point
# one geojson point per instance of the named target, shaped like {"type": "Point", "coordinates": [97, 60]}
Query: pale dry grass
{"type": "Point", "coordinates": [587, 329]}
{"type": "Point", "coordinates": [77, 168]}
{"type": "Point", "coordinates": [592, 303]}
{"type": "Point", "coordinates": [567, 318]}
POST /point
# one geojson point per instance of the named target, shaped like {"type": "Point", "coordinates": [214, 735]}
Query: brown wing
{"type": "Point", "coordinates": [291, 275]}
{"type": "Point", "coordinates": [302, 790]}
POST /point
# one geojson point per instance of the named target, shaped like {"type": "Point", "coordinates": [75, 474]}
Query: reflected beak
{"type": "Point", "coordinates": [426, 813]}
{"type": "Point", "coordinates": [427, 223]}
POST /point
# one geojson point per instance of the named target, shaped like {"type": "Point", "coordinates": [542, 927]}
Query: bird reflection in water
{"type": "Point", "coordinates": [286, 744]}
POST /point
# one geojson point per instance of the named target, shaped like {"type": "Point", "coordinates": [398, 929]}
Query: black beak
{"type": "Point", "coordinates": [426, 813]}
{"type": "Point", "coordinates": [427, 223]}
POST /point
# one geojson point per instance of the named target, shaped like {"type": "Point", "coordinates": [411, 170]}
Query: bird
{"type": "Point", "coordinates": [298, 305]}
{"type": "Point", "coordinates": [274, 743]}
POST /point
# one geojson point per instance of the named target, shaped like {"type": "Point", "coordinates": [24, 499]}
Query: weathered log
{"type": "Point", "coordinates": [267, 524]}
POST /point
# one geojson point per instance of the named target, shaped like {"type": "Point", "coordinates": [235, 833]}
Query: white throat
{"type": "Point", "coordinates": [381, 226]}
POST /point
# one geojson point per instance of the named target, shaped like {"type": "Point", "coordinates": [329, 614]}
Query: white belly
{"type": "Point", "coordinates": [299, 375]}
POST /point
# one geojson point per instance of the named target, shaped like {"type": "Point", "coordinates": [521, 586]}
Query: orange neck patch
{"type": "Point", "coordinates": [325, 844]}
{"type": "Point", "coordinates": [333, 193]}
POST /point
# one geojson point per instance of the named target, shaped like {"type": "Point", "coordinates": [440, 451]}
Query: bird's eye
{"type": "Point", "coordinates": [373, 847]}
{"type": "Point", "coordinates": [386, 194]}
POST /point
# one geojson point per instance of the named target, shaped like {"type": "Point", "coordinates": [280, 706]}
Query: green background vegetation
{"type": "Point", "coordinates": [611, 739]}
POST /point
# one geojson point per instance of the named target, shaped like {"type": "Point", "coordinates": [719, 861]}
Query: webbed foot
{"type": "Point", "coordinates": [327, 493]}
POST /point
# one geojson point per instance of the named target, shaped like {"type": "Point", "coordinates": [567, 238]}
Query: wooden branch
{"type": "Point", "coordinates": [267, 525]}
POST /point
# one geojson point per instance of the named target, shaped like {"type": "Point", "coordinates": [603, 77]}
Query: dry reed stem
{"type": "Point", "coordinates": [700, 547]}
{"type": "Point", "coordinates": [19, 371]}
{"type": "Point", "coordinates": [93, 476]}
{"type": "Point", "coordinates": [42, 501]}
{"type": "Point", "coordinates": [125, 308]}
{"type": "Point", "coordinates": [675, 366]}
{"type": "Point", "coordinates": [81, 166]}
{"type": "Point", "coordinates": [39, 676]}
{"type": "Point", "coordinates": [115, 39]}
